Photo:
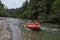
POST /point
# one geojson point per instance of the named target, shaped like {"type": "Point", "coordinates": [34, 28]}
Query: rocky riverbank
{"type": "Point", "coordinates": [5, 32]}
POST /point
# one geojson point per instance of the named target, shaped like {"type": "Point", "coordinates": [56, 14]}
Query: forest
{"type": "Point", "coordinates": [43, 10]}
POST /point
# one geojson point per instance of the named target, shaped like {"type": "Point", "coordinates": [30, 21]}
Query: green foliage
{"type": "Point", "coordinates": [3, 11]}
{"type": "Point", "coordinates": [55, 11]}
{"type": "Point", "coordinates": [40, 9]}
{"type": "Point", "coordinates": [37, 8]}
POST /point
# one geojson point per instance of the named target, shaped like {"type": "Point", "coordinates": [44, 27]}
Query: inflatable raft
{"type": "Point", "coordinates": [33, 26]}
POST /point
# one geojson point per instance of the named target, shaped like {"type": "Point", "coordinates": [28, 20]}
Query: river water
{"type": "Point", "coordinates": [21, 33]}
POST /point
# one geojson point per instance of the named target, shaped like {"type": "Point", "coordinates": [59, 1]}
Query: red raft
{"type": "Point", "coordinates": [33, 26]}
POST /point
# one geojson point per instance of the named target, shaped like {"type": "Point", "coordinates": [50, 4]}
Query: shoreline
{"type": "Point", "coordinates": [51, 25]}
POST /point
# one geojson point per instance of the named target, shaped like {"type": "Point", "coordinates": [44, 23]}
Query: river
{"type": "Point", "coordinates": [21, 33]}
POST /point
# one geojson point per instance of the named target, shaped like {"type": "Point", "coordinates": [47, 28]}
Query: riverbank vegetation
{"type": "Point", "coordinates": [43, 10]}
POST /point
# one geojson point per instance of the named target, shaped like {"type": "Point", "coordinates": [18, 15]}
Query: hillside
{"type": "Point", "coordinates": [47, 10]}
